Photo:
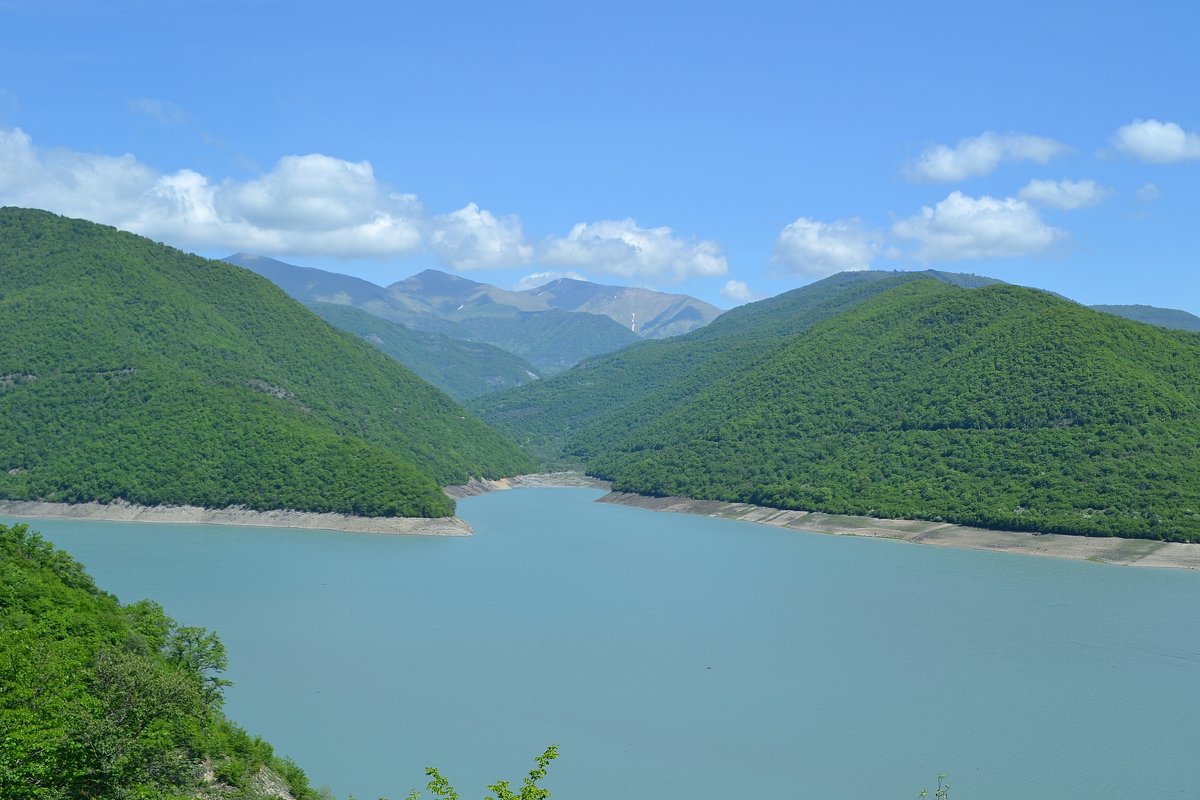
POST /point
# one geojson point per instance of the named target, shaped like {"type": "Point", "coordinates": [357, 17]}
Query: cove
{"type": "Point", "coordinates": [673, 656]}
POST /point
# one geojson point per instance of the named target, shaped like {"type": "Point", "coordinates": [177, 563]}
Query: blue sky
{"type": "Point", "coordinates": [727, 151]}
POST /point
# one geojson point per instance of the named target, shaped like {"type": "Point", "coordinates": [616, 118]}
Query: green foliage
{"type": "Point", "coordinates": [551, 340]}
{"type": "Point", "coordinates": [101, 700]}
{"type": "Point", "coordinates": [997, 407]}
{"type": "Point", "coordinates": [892, 395]}
{"type": "Point", "coordinates": [565, 419]}
{"type": "Point", "coordinates": [440, 787]}
{"type": "Point", "coordinates": [461, 369]}
{"type": "Point", "coordinates": [942, 792]}
{"type": "Point", "coordinates": [133, 371]}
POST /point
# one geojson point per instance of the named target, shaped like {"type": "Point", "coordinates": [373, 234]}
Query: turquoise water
{"type": "Point", "coordinates": [681, 657]}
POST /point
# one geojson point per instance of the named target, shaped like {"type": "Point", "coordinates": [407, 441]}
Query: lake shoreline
{"type": "Point", "coordinates": [538, 480]}
{"type": "Point", "coordinates": [1104, 550]}
{"type": "Point", "coordinates": [120, 511]}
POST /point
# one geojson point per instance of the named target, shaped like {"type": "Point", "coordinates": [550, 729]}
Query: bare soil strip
{"type": "Point", "coordinates": [126, 512]}
{"type": "Point", "coordinates": [1105, 550]}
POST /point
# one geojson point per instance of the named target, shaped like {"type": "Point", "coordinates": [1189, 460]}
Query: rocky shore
{"type": "Point", "coordinates": [1105, 550]}
{"type": "Point", "coordinates": [568, 480]}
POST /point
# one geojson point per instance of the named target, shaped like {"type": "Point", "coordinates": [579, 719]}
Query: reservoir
{"type": "Point", "coordinates": [673, 656]}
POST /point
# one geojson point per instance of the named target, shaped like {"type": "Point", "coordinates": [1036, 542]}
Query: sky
{"type": "Point", "coordinates": [727, 151]}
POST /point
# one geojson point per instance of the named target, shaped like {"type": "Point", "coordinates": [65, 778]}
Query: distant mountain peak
{"type": "Point", "coordinates": [650, 314]}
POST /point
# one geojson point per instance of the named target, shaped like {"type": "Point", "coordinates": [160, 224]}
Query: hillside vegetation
{"type": "Point", "coordinates": [460, 368]}
{"type": "Point", "coordinates": [998, 406]}
{"type": "Point", "coordinates": [106, 701]}
{"type": "Point", "coordinates": [135, 371]}
{"type": "Point", "coordinates": [566, 418]}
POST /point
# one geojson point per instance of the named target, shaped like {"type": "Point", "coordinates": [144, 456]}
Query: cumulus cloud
{"type": "Point", "coordinates": [474, 238]}
{"type": "Point", "coordinates": [812, 247]}
{"type": "Point", "coordinates": [738, 292]}
{"type": "Point", "coordinates": [962, 227]}
{"type": "Point", "coordinates": [1157, 142]}
{"type": "Point", "coordinates": [980, 155]}
{"type": "Point", "coordinates": [537, 279]}
{"type": "Point", "coordinates": [1065, 195]}
{"type": "Point", "coordinates": [310, 204]}
{"type": "Point", "coordinates": [624, 248]}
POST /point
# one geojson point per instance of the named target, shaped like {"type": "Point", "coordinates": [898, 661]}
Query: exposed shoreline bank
{"type": "Point", "coordinates": [120, 511]}
{"type": "Point", "coordinates": [541, 480]}
{"type": "Point", "coordinates": [127, 512]}
{"type": "Point", "coordinates": [1105, 550]}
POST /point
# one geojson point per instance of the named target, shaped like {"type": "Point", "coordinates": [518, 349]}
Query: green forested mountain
{"type": "Point", "coordinates": [132, 370]}
{"type": "Point", "coordinates": [1162, 317]}
{"type": "Point", "coordinates": [1000, 407]}
{"type": "Point", "coordinates": [105, 701]}
{"type": "Point", "coordinates": [552, 340]}
{"type": "Point", "coordinates": [563, 418]}
{"type": "Point", "coordinates": [458, 367]}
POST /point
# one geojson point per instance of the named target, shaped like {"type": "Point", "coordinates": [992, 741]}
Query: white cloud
{"type": "Point", "coordinates": [311, 191]}
{"type": "Point", "coordinates": [622, 247]}
{"type": "Point", "coordinates": [537, 279]}
{"type": "Point", "coordinates": [811, 247]}
{"type": "Point", "coordinates": [319, 205]}
{"type": "Point", "coordinates": [739, 292]}
{"type": "Point", "coordinates": [1157, 142]}
{"type": "Point", "coordinates": [980, 155]}
{"type": "Point", "coordinates": [1066, 195]}
{"type": "Point", "coordinates": [474, 238]}
{"type": "Point", "coordinates": [310, 204]}
{"type": "Point", "coordinates": [1148, 193]}
{"type": "Point", "coordinates": [962, 227]}
{"type": "Point", "coordinates": [164, 113]}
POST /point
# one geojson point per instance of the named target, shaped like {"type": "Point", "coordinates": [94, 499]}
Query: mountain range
{"type": "Point", "coordinates": [552, 327]}
{"type": "Point", "coordinates": [132, 371]}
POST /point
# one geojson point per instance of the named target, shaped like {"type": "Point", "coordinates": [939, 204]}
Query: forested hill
{"type": "Point", "coordinates": [563, 418]}
{"type": "Point", "coordinates": [105, 701]}
{"type": "Point", "coordinates": [458, 367]}
{"type": "Point", "coordinates": [132, 370]}
{"type": "Point", "coordinates": [999, 406]}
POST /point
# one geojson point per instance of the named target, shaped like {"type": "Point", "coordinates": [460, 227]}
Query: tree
{"type": "Point", "coordinates": [441, 788]}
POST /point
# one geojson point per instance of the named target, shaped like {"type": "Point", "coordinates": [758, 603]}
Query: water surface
{"type": "Point", "coordinates": [672, 656]}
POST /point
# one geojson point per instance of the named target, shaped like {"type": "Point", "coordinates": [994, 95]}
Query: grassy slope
{"type": "Point", "coordinates": [132, 370]}
{"type": "Point", "coordinates": [1001, 407]}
